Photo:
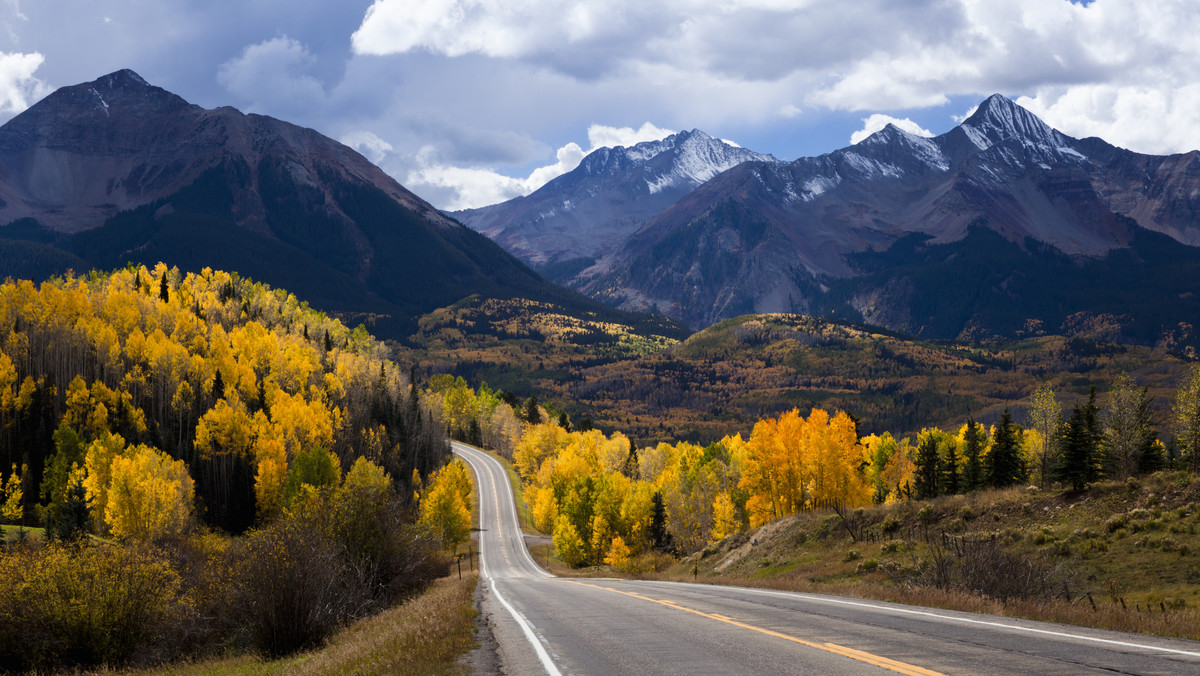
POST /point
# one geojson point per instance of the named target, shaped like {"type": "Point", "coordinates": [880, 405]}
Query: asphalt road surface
{"type": "Point", "coordinates": [550, 625]}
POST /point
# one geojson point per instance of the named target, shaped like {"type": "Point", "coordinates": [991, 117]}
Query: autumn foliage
{"type": "Point", "coordinates": [165, 411]}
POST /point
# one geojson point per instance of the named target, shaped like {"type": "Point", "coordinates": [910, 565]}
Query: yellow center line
{"type": "Point", "coordinates": [869, 658]}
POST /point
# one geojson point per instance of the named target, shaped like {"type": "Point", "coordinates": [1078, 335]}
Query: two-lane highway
{"type": "Point", "coordinates": [545, 624]}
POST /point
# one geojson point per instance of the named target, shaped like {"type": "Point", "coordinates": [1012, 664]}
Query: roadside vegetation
{"type": "Point", "coordinates": [195, 465]}
{"type": "Point", "coordinates": [1066, 511]}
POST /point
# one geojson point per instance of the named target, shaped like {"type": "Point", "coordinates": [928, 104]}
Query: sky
{"type": "Point", "coordinates": [472, 102]}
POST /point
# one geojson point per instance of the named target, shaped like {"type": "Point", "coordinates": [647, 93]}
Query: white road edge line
{"type": "Point", "coordinates": [543, 656]}
{"type": "Point", "coordinates": [965, 620]}
{"type": "Point", "coordinates": [547, 663]}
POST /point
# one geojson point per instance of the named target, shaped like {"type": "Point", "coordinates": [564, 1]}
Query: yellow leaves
{"type": "Point", "coordinates": [13, 495]}
{"type": "Point", "coordinates": [567, 542]}
{"type": "Point", "coordinates": [618, 555]}
{"type": "Point", "coordinates": [793, 463]}
{"type": "Point", "coordinates": [225, 428]}
{"type": "Point", "coordinates": [726, 521]}
{"type": "Point", "coordinates": [98, 466]}
{"type": "Point", "coordinates": [149, 495]}
{"type": "Point", "coordinates": [444, 507]}
{"type": "Point", "coordinates": [544, 507]}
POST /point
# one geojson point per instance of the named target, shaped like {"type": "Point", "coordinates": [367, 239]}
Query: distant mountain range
{"type": "Point", "coordinates": [119, 170]}
{"type": "Point", "coordinates": [1002, 225]}
{"type": "Point", "coordinates": [589, 212]}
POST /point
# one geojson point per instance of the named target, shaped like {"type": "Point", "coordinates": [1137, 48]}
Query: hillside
{"type": "Point", "coordinates": [1118, 556]}
{"type": "Point", "coordinates": [719, 381]}
{"type": "Point", "coordinates": [997, 223]}
{"type": "Point", "coordinates": [588, 213]}
{"type": "Point", "coordinates": [656, 384]}
{"type": "Point", "coordinates": [118, 170]}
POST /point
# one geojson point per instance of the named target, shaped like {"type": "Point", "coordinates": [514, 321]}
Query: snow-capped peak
{"type": "Point", "coordinates": [998, 119]}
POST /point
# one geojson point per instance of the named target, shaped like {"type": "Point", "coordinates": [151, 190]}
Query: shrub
{"type": "Point", "coordinates": [85, 605]}
{"type": "Point", "coordinates": [291, 588]}
{"type": "Point", "coordinates": [927, 515]}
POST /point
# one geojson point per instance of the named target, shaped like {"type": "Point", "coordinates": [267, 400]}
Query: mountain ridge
{"type": "Point", "coordinates": [587, 212]}
{"type": "Point", "coordinates": [764, 237]}
{"type": "Point", "coordinates": [118, 170]}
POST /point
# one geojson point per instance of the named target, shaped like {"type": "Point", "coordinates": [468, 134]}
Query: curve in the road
{"type": "Point", "coordinates": [614, 626]}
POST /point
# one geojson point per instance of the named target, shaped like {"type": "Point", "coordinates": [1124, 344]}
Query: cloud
{"type": "Point", "coordinates": [18, 86]}
{"type": "Point", "coordinates": [1146, 119]}
{"type": "Point", "coordinates": [878, 121]}
{"type": "Point", "coordinates": [454, 188]}
{"type": "Point", "coordinates": [273, 75]}
{"type": "Point", "coordinates": [371, 146]}
{"type": "Point", "coordinates": [601, 136]}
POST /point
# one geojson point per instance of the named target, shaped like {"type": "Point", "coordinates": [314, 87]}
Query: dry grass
{"type": "Point", "coordinates": [427, 635]}
{"type": "Point", "coordinates": [1121, 556]}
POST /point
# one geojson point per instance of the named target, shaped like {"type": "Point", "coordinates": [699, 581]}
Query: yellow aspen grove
{"type": "Point", "coordinates": [149, 496]}
{"type": "Point", "coordinates": [567, 542]}
{"type": "Point", "coordinates": [98, 467]}
{"type": "Point", "coordinates": [444, 509]}
{"type": "Point", "coordinates": [725, 518]}
{"type": "Point", "coordinates": [793, 463]}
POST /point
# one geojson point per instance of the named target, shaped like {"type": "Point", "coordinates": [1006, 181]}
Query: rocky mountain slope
{"type": "Point", "coordinates": [590, 211]}
{"type": "Point", "coordinates": [999, 224]}
{"type": "Point", "coordinates": [119, 170]}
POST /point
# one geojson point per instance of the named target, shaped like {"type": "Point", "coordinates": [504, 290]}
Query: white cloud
{"type": "Point", "coordinates": [273, 75]}
{"type": "Point", "coordinates": [601, 136]}
{"type": "Point", "coordinates": [457, 188]}
{"type": "Point", "coordinates": [369, 144]}
{"type": "Point", "coordinates": [18, 87]}
{"type": "Point", "coordinates": [878, 121]}
{"type": "Point", "coordinates": [1146, 119]}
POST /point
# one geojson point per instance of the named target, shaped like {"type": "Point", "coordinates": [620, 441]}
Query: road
{"type": "Point", "coordinates": [550, 625]}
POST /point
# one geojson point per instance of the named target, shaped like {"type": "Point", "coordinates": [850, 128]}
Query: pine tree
{"type": "Point", "coordinates": [631, 469]}
{"type": "Point", "coordinates": [164, 293]}
{"type": "Point", "coordinates": [927, 467]}
{"type": "Point", "coordinates": [1004, 466]}
{"type": "Point", "coordinates": [533, 413]}
{"type": "Point", "coordinates": [950, 478]}
{"type": "Point", "coordinates": [1077, 465]}
{"type": "Point", "coordinates": [218, 387]}
{"type": "Point", "coordinates": [660, 539]}
{"type": "Point", "coordinates": [973, 448]}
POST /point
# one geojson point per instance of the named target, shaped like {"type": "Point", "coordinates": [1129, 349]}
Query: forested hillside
{"type": "Point", "coordinates": [164, 412]}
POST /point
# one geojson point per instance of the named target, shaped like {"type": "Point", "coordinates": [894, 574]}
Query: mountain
{"type": "Point", "coordinates": [999, 226]}
{"type": "Point", "coordinates": [589, 212]}
{"type": "Point", "coordinates": [119, 170]}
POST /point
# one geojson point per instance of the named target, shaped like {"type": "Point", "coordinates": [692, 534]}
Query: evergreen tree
{"type": "Point", "coordinates": [533, 413]}
{"type": "Point", "coordinates": [564, 421]}
{"type": "Point", "coordinates": [1186, 418]}
{"type": "Point", "coordinates": [926, 478]}
{"type": "Point", "coordinates": [972, 449]}
{"type": "Point", "coordinates": [1077, 465]}
{"type": "Point", "coordinates": [218, 387]}
{"type": "Point", "coordinates": [1004, 465]}
{"type": "Point", "coordinates": [164, 293]}
{"type": "Point", "coordinates": [660, 539]}
{"type": "Point", "coordinates": [950, 478]}
{"type": "Point", "coordinates": [631, 468]}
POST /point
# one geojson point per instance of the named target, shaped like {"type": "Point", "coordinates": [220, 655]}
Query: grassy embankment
{"type": "Point", "coordinates": [427, 635]}
{"type": "Point", "coordinates": [1121, 556]}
